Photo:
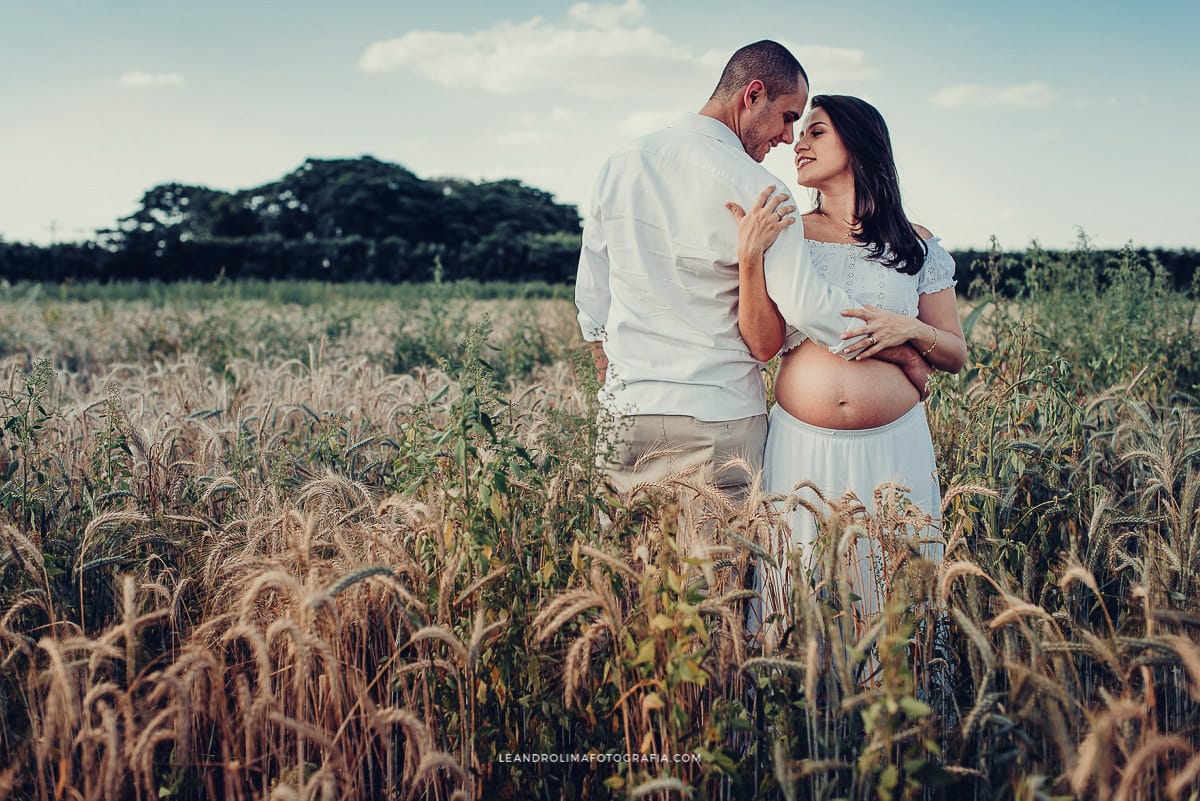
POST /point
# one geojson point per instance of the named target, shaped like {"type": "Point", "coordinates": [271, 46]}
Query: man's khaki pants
{"type": "Point", "coordinates": [647, 448]}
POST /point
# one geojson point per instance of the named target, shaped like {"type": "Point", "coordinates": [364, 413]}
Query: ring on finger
{"type": "Point", "coordinates": [871, 338]}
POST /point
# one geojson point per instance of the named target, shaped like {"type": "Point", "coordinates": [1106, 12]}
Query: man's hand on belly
{"type": "Point", "coordinates": [915, 369]}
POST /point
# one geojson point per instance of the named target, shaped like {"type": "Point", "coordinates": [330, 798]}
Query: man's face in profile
{"type": "Point", "coordinates": [769, 122]}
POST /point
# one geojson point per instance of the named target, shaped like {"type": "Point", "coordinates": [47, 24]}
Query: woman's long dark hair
{"type": "Point", "coordinates": [882, 223]}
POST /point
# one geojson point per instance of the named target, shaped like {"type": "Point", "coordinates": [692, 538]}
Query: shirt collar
{"type": "Point", "coordinates": [707, 126]}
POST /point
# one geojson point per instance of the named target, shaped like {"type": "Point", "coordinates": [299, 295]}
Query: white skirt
{"type": "Point", "coordinates": [885, 468]}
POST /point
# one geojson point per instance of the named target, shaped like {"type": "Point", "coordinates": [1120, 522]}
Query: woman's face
{"type": "Point", "coordinates": [820, 154]}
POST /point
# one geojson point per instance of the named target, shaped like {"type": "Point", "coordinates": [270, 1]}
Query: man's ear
{"type": "Point", "coordinates": [755, 91]}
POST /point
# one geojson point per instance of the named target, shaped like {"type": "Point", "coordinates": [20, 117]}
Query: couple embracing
{"type": "Point", "coordinates": [692, 275]}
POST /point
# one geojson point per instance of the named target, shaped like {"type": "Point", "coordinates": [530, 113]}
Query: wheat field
{"type": "Point", "coordinates": [357, 548]}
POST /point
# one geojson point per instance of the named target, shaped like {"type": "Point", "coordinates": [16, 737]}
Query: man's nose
{"type": "Point", "coordinates": [787, 134]}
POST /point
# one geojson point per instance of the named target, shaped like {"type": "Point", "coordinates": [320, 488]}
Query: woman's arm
{"type": "Point", "coordinates": [936, 332]}
{"type": "Point", "coordinates": [938, 311]}
{"type": "Point", "coordinates": [759, 321]}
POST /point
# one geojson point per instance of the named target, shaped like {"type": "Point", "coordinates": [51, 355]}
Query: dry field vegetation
{"type": "Point", "coordinates": [350, 548]}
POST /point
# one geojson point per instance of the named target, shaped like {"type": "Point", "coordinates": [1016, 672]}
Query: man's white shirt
{"type": "Point", "coordinates": [658, 276]}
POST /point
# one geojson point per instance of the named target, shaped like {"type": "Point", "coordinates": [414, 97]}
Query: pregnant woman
{"type": "Point", "coordinates": [854, 424]}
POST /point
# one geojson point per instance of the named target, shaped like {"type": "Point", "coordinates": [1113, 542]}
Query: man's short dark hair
{"type": "Point", "coordinates": [769, 62]}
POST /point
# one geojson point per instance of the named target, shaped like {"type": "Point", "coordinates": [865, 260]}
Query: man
{"type": "Point", "coordinates": [657, 289]}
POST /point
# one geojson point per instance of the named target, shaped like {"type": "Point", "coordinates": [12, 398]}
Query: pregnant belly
{"type": "Point", "coordinates": [825, 390]}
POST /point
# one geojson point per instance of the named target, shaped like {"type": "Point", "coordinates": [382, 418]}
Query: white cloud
{"type": "Point", "coordinates": [830, 66]}
{"type": "Point", "coordinates": [533, 55]}
{"type": "Point", "coordinates": [139, 79]}
{"type": "Point", "coordinates": [595, 52]}
{"type": "Point", "coordinates": [1035, 94]}
{"type": "Point", "coordinates": [603, 15]}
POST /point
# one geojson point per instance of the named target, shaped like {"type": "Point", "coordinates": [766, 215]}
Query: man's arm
{"type": "Point", "coordinates": [803, 298]}
{"type": "Point", "coordinates": [592, 295]}
{"type": "Point", "coordinates": [601, 360]}
{"type": "Point", "coordinates": [916, 369]}
{"type": "Point", "coordinates": [797, 295]}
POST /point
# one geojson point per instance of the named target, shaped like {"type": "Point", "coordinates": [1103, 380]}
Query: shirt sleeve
{"type": "Point", "coordinates": [937, 273]}
{"type": "Point", "coordinates": [808, 302]}
{"type": "Point", "coordinates": [592, 294]}
{"type": "Point", "coordinates": [792, 338]}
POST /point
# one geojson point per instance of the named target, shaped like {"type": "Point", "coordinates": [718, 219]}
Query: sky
{"type": "Point", "coordinates": [1029, 120]}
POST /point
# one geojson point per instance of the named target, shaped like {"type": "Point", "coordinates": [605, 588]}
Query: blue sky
{"type": "Point", "coordinates": [1026, 120]}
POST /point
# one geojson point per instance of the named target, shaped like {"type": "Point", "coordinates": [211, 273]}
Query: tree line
{"type": "Point", "coordinates": [364, 219]}
{"type": "Point", "coordinates": [330, 219]}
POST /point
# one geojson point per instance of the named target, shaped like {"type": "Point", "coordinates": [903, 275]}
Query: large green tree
{"type": "Point", "coordinates": [348, 218]}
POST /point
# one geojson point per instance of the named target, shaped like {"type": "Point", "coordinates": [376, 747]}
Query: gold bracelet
{"type": "Point", "coordinates": [934, 345]}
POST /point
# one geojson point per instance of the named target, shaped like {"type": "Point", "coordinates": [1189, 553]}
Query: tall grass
{"type": "Point", "coordinates": [254, 550]}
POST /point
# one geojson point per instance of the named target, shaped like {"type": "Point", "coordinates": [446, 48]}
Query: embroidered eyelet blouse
{"type": "Point", "coordinates": [868, 281]}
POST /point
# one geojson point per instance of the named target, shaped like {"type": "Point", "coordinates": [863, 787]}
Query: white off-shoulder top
{"type": "Point", "coordinates": [868, 281]}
